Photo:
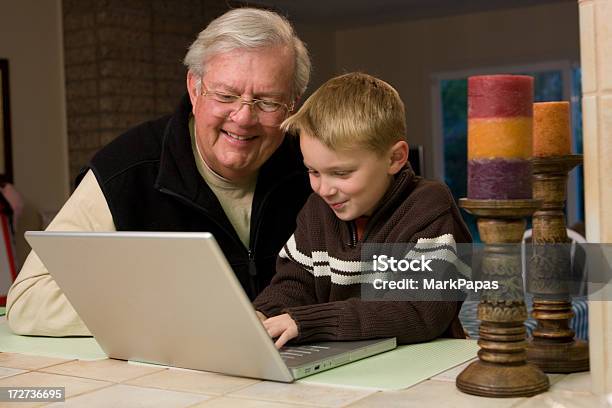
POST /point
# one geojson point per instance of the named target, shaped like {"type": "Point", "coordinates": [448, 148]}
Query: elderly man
{"type": "Point", "coordinates": [220, 164]}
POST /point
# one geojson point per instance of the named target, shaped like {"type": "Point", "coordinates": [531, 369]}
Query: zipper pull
{"type": "Point", "coordinates": [353, 233]}
{"type": "Point", "coordinates": [252, 266]}
{"type": "Point", "coordinates": [252, 276]}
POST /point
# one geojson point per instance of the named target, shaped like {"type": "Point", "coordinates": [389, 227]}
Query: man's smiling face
{"type": "Point", "coordinates": [236, 144]}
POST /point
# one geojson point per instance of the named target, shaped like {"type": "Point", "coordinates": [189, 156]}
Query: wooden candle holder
{"type": "Point", "coordinates": [553, 347]}
{"type": "Point", "coordinates": [502, 369]}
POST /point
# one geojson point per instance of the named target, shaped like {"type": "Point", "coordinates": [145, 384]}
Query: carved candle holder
{"type": "Point", "coordinates": [553, 347]}
{"type": "Point", "coordinates": [502, 369]}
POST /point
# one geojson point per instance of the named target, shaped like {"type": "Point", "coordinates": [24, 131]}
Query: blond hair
{"type": "Point", "coordinates": [352, 110]}
{"type": "Point", "coordinates": [249, 28]}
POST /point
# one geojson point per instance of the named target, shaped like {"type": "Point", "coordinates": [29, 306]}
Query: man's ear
{"type": "Point", "coordinates": [398, 156]}
{"type": "Point", "coordinates": [192, 80]}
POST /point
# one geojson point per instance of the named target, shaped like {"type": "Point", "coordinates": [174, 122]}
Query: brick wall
{"type": "Point", "coordinates": [123, 64]}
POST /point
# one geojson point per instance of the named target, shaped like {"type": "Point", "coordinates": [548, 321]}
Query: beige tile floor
{"type": "Point", "coordinates": [193, 381]}
{"type": "Point", "coordinates": [7, 372]}
{"type": "Point", "coordinates": [298, 393]}
{"type": "Point", "coordinates": [228, 402]}
{"type": "Point", "coordinates": [108, 370]}
{"type": "Point", "coordinates": [122, 395]}
{"type": "Point", "coordinates": [74, 386]}
{"type": "Point", "coordinates": [105, 383]}
{"type": "Point", "coordinates": [26, 362]}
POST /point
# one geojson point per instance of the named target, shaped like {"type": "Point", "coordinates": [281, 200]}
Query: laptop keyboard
{"type": "Point", "coordinates": [290, 353]}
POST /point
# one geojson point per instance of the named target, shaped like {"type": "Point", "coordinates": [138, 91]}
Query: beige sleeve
{"type": "Point", "coordinates": [35, 304]}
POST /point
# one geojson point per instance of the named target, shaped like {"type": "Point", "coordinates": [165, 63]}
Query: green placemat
{"type": "Point", "coordinates": [82, 348]}
{"type": "Point", "coordinates": [2, 311]}
{"type": "Point", "coordinates": [400, 368]}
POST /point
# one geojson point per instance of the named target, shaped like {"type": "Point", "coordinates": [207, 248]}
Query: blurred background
{"type": "Point", "coordinates": [81, 72]}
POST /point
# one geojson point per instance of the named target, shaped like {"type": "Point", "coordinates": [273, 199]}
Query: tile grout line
{"type": "Point", "coordinates": [213, 394]}
{"type": "Point", "coordinates": [141, 376]}
{"type": "Point", "coordinates": [91, 391]}
{"type": "Point", "coordinates": [242, 387]}
{"type": "Point", "coordinates": [153, 387]}
{"type": "Point", "coordinates": [39, 368]}
{"type": "Point", "coordinates": [363, 398]}
{"type": "Point", "coordinates": [205, 401]}
{"type": "Point", "coordinates": [14, 374]}
{"type": "Point", "coordinates": [79, 376]}
{"type": "Point", "coordinates": [107, 385]}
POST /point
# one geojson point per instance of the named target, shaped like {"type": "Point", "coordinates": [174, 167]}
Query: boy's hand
{"type": "Point", "coordinates": [281, 326]}
{"type": "Point", "coordinates": [262, 317]}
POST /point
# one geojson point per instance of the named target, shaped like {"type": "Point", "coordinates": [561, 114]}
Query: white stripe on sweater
{"type": "Point", "coordinates": [339, 264]}
{"type": "Point", "coordinates": [299, 257]}
{"type": "Point", "coordinates": [357, 272]}
{"type": "Point", "coordinates": [443, 254]}
{"type": "Point", "coordinates": [429, 243]}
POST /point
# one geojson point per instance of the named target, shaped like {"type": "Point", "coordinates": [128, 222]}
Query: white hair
{"type": "Point", "coordinates": [249, 28]}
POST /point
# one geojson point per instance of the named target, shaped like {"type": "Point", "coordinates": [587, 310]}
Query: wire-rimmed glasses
{"type": "Point", "coordinates": [269, 112]}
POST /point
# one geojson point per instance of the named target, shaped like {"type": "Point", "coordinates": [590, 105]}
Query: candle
{"type": "Point", "coordinates": [500, 129]}
{"type": "Point", "coordinates": [551, 129]}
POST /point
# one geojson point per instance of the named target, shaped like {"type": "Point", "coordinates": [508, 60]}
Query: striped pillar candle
{"type": "Point", "coordinates": [551, 129]}
{"type": "Point", "coordinates": [500, 126]}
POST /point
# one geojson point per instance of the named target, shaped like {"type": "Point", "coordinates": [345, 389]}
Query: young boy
{"type": "Point", "coordinates": [352, 136]}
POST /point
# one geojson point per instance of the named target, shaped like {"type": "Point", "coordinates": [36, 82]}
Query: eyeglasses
{"type": "Point", "coordinates": [270, 111]}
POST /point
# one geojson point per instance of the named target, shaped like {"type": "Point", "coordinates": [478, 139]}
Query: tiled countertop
{"type": "Point", "coordinates": [114, 383]}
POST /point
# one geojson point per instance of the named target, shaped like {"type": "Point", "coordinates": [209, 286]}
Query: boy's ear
{"type": "Point", "coordinates": [398, 156]}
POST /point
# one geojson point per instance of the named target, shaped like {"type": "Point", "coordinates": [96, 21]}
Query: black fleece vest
{"type": "Point", "coordinates": [151, 183]}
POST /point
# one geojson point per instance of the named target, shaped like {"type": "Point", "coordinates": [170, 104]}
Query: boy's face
{"type": "Point", "coordinates": [351, 181]}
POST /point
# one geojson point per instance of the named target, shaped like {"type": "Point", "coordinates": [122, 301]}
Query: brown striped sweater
{"type": "Point", "coordinates": [314, 283]}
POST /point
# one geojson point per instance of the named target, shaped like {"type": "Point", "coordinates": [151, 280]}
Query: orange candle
{"type": "Point", "coordinates": [551, 129]}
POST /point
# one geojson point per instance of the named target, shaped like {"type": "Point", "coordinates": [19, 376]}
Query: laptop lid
{"type": "Point", "coordinates": [165, 298]}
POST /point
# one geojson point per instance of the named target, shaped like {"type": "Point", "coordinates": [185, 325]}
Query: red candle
{"type": "Point", "coordinates": [500, 125]}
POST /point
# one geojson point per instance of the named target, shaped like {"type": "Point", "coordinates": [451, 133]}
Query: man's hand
{"type": "Point", "coordinates": [281, 326]}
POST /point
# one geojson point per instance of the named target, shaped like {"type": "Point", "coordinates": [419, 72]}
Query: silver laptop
{"type": "Point", "coordinates": [172, 299]}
